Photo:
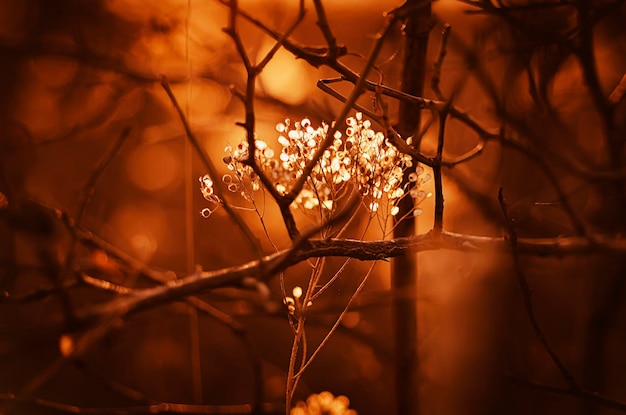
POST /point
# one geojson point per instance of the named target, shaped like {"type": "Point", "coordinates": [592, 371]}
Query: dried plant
{"type": "Point", "coordinates": [383, 159]}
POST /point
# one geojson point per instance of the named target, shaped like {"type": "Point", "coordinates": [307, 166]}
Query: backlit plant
{"type": "Point", "coordinates": [361, 160]}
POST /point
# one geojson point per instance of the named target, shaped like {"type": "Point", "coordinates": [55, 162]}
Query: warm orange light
{"type": "Point", "coordinates": [285, 77]}
{"type": "Point", "coordinates": [66, 345]}
{"type": "Point", "coordinates": [153, 167]}
{"type": "Point", "coordinates": [200, 99]}
{"type": "Point", "coordinates": [141, 226]}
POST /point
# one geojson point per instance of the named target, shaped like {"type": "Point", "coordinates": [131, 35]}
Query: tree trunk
{"type": "Point", "coordinates": [404, 269]}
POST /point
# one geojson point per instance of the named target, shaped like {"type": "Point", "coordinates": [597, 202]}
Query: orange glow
{"type": "Point", "coordinates": [180, 37]}
{"type": "Point", "coordinates": [285, 77]}
{"type": "Point", "coordinates": [153, 167]}
{"type": "Point", "coordinates": [100, 259]}
{"type": "Point", "coordinates": [66, 345]}
{"type": "Point", "coordinates": [137, 10]}
{"type": "Point", "coordinates": [201, 100]}
{"type": "Point", "coordinates": [144, 244]}
{"type": "Point", "coordinates": [142, 226]}
{"type": "Point", "coordinates": [101, 208]}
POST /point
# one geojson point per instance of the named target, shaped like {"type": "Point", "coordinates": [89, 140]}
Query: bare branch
{"type": "Point", "coordinates": [527, 294]}
{"type": "Point", "coordinates": [618, 92]}
{"type": "Point", "coordinates": [279, 43]}
{"type": "Point", "coordinates": [438, 223]}
{"type": "Point", "coordinates": [315, 56]}
{"type": "Point", "coordinates": [177, 289]}
{"type": "Point", "coordinates": [356, 92]}
{"type": "Point", "coordinates": [594, 397]}
{"type": "Point", "coordinates": [208, 164]}
{"type": "Point", "coordinates": [322, 22]}
{"type": "Point", "coordinates": [436, 78]}
{"type": "Point", "coordinates": [232, 31]}
{"type": "Point", "coordinates": [159, 408]}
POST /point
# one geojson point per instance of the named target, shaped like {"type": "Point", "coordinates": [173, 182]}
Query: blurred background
{"type": "Point", "coordinates": [81, 81]}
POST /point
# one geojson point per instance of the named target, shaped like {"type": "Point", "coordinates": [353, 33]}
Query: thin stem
{"type": "Point", "coordinates": [292, 380]}
{"type": "Point", "coordinates": [280, 41]}
{"type": "Point", "coordinates": [89, 189]}
{"type": "Point", "coordinates": [322, 22]}
{"type": "Point", "coordinates": [248, 99]}
{"type": "Point", "coordinates": [158, 408]}
{"type": "Point", "coordinates": [439, 199]}
{"type": "Point", "coordinates": [590, 396]}
{"type": "Point", "coordinates": [354, 95]}
{"type": "Point", "coordinates": [527, 294]}
{"type": "Point", "coordinates": [354, 295]}
{"type": "Point", "coordinates": [208, 164]}
{"type": "Point", "coordinates": [437, 67]}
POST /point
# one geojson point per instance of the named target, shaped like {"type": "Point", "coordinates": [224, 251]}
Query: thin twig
{"type": "Point", "coordinates": [159, 408]}
{"type": "Point", "coordinates": [175, 288]}
{"type": "Point", "coordinates": [363, 250]}
{"type": "Point", "coordinates": [437, 67]}
{"type": "Point", "coordinates": [618, 92]}
{"type": "Point", "coordinates": [322, 22]}
{"type": "Point", "coordinates": [35, 295]}
{"type": "Point", "coordinates": [594, 397]}
{"type": "Point", "coordinates": [240, 331]}
{"type": "Point", "coordinates": [527, 294]}
{"type": "Point", "coordinates": [86, 198]}
{"type": "Point", "coordinates": [483, 135]}
{"type": "Point", "coordinates": [315, 56]}
{"type": "Point", "coordinates": [279, 42]}
{"type": "Point", "coordinates": [323, 84]}
{"type": "Point", "coordinates": [231, 31]}
{"type": "Point", "coordinates": [208, 164]}
{"type": "Point", "coordinates": [438, 222]}
{"type": "Point", "coordinates": [113, 385]}
{"type": "Point", "coordinates": [354, 295]}
{"type": "Point", "coordinates": [250, 118]}
{"type": "Point", "coordinates": [355, 93]}
{"type": "Point", "coordinates": [524, 146]}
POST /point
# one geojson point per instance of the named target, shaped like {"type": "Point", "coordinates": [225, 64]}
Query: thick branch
{"type": "Point", "coordinates": [364, 250]}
